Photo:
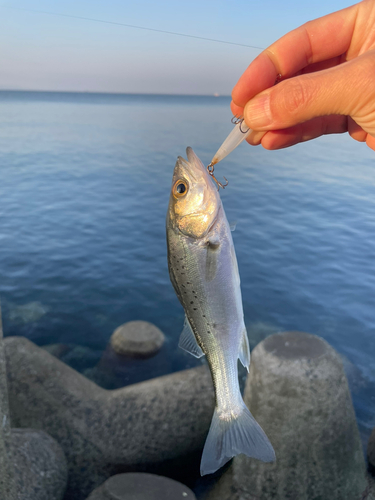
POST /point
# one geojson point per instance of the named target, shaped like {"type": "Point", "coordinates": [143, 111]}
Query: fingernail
{"type": "Point", "coordinates": [258, 113]}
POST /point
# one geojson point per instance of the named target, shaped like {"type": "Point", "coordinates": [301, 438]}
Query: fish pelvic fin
{"type": "Point", "coordinates": [232, 434]}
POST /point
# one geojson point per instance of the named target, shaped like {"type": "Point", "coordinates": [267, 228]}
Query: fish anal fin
{"type": "Point", "coordinates": [188, 341]}
{"type": "Point", "coordinates": [244, 354]}
{"type": "Point", "coordinates": [229, 437]}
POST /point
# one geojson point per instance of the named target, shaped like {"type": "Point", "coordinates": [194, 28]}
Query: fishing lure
{"type": "Point", "coordinates": [234, 139]}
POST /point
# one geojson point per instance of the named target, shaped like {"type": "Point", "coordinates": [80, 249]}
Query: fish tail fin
{"type": "Point", "coordinates": [231, 435]}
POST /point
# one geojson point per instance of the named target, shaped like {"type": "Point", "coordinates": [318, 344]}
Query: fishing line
{"type": "Point", "coordinates": [131, 26]}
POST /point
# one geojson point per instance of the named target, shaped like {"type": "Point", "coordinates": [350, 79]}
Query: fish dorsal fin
{"type": "Point", "coordinates": [244, 354]}
{"type": "Point", "coordinates": [188, 341]}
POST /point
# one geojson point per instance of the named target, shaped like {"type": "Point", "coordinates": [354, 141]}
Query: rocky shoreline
{"type": "Point", "coordinates": [65, 438]}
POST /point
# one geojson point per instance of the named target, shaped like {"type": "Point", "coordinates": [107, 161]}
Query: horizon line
{"type": "Point", "coordinates": [214, 94]}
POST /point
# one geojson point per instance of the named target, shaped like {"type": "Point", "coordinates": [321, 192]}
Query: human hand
{"type": "Point", "coordinates": [327, 69]}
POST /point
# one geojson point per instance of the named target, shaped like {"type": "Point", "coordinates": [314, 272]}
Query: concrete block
{"type": "Point", "coordinates": [298, 392]}
{"type": "Point", "coordinates": [135, 428]}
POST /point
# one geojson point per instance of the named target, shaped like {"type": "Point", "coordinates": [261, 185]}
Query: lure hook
{"type": "Point", "coordinates": [243, 131]}
{"type": "Point", "coordinates": [210, 170]}
{"type": "Point", "coordinates": [236, 119]}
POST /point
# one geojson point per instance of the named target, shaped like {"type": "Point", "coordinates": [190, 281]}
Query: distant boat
{"type": "Point", "coordinates": [216, 94]}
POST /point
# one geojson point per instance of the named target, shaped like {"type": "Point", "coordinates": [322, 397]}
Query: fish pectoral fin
{"type": "Point", "coordinates": [232, 225]}
{"type": "Point", "coordinates": [244, 354]}
{"type": "Point", "coordinates": [188, 341]}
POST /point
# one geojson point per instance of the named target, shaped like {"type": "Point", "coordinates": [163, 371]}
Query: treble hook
{"type": "Point", "coordinates": [241, 123]}
{"type": "Point", "coordinates": [210, 170]}
{"type": "Point", "coordinates": [236, 119]}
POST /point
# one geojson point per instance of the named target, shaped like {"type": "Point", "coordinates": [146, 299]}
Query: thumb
{"type": "Point", "coordinates": [347, 89]}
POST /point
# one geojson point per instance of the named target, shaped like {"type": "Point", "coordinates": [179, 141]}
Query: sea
{"type": "Point", "coordinates": [84, 187]}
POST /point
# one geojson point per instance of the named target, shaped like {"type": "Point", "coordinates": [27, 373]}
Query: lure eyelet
{"type": "Point", "coordinates": [180, 188]}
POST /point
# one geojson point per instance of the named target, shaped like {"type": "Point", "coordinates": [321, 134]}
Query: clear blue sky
{"type": "Point", "coordinates": [45, 52]}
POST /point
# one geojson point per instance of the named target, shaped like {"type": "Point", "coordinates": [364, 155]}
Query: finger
{"type": "Point", "coordinates": [329, 63]}
{"type": "Point", "coordinates": [355, 131]}
{"type": "Point", "coordinates": [278, 139]}
{"type": "Point", "coordinates": [370, 141]}
{"type": "Point", "coordinates": [346, 89]}
{"type": "Point", "coordinates": [236, 110]}
{"type": "Point", "coordinates": [255, 137]}
{"type": "Point", "coordinates": [315, 41]}
{"type": "Point", "coordinates": [260, 75]}
{"type": "Point", "coordinates": [319, 66]}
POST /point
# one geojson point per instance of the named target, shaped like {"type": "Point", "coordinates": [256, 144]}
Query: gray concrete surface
{"type": "Point", "coordinates": [40, 466]}
{"type": "Point", "coordinates": [138, 339]}
{"type": "Point", "coordinates": [105, 432]}
{"type": "Point", "coordinates": [141, 486]}
{"type": "Point", "coordinates": [298, 392]}
{"type": "Point", "coordinates": [7, 481]}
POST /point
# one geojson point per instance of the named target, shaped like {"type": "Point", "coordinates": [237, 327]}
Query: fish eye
{"type": "Point", "coordinates": [180, 188]}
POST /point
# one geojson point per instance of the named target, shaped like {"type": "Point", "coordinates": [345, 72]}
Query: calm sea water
{"type": "Point", "coordinates": [84, 188]}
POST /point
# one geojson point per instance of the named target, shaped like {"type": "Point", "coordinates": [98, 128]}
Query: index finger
{"type": "Point", "coordinates": [324, 38]}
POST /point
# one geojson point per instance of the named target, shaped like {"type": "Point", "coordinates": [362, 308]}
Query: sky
{"type": "Point", "coordinates": [42, 51]}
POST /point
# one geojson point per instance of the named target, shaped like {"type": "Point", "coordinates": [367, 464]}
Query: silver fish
{"type": "Point", "coordinates": [204, 272]}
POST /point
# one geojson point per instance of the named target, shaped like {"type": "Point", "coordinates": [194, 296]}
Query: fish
{"type": "Point", "coordinates": [204, 273]}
